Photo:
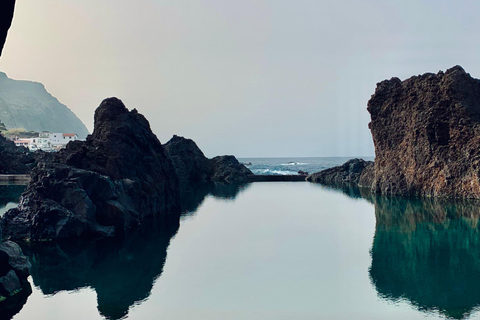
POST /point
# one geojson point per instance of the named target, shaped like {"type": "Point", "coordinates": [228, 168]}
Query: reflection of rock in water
{"type": "Point", "coordinates": [193, 195]}
{"type": "Point", "coordinates": [428, 252]}
{"type": "Point", "coordinates": [121, 271]}
{"type": "Point", "coordinates": [14, 287]}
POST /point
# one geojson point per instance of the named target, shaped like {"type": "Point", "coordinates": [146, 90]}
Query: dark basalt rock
{"type": "Point", "coordinates": [227, 169]}
{"type": "Point", "coordinates": [6, 15]}
{"type": "Point", "coordinates": [426, 132]}
{"type": "Point", "coordinates": [115, 180]}
{"type": "Point", "coordinates": [192, 166]}
{"type": "Point", "coordinates": [14, 287]}
{"type": "Point", "coordinates": [190, 163]}
{"type": "Point", "coordinates": [355, 171]}
{"type": "Point", "coordinates": [13, 159]}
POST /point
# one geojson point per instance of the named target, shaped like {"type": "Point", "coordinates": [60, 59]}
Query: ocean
{"type": "Point", "coordinates": [292, 165]}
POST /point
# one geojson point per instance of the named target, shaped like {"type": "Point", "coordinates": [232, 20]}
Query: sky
{"type": "Point", "coordinates": [253, 78]}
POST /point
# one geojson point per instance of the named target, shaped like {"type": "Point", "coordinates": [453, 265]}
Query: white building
{"type": "Point", "coordinates": [47, 141]}
{"type": "Point", "coordinates": [61, 139]}
{"type": "Point", "coordinates": [40, 143]}
{"type": "Point", "coordinates": [22, 142]}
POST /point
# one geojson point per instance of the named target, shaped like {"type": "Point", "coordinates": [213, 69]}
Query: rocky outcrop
{"type": "Point", "coordinates": [14, 287]}
{"type": "Point", "coordinates": [6, 16]}
{"type": "Point", "coordinates": [355, 171]}
{"type": "Point", "coordinates": [190, 163]}
{"type": "Point", "coordinates": [13, 159]}
{"type": "Point", "coordinates": [227, 169]}
{"type": "Point", "coordinates": [116, 180]}
{"type": "Point", "coordinates": [192, 166]}
{"type": "Point", "coordinates": [426, 132]}
{"type": "Point", "coordinates": [28, 105]}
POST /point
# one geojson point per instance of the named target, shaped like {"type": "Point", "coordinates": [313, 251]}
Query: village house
{"type": "Point", "coordinates": [47, 141]}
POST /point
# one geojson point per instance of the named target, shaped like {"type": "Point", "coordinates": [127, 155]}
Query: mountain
{"type": "Point", "coordinates": [28, 105]}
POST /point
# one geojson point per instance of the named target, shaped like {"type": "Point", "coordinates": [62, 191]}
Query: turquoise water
{"type": "Point", "coordinates": [274, 250]}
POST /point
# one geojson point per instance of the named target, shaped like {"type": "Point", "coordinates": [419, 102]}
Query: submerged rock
{"type": "Point", "coordinates": [426, 132]}
{"type": "Point", "coordinates": [355, 171]}
{"type": "Point", "coordinates": [115, 180]}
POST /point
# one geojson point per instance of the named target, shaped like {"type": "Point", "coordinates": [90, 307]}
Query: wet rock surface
{"type": "Point", "coordinates": [355, 171]}
{"type": "Point", "coordinates": [426, 132]}
{"type": "Point", "coordinates": [117, 179]}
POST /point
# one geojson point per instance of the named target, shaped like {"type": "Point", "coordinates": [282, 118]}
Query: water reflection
{"type": "Point", "coordinates": [121, 270]}
{"type": "Point", "coordinates": [193, 195]}
{"type": "Point", "coordinates": [9, 195]}
{"type": "Point", "coordinates": [428, 252]}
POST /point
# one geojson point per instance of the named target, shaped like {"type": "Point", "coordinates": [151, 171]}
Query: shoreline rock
{"type": "Point", "coordinates": [426, 132]}
{"type": "Point", "coordinates": [355, 171]}
{"type": "Point", "coordinates": [117, 179]}
{"type": "Point", "coordinates": [192, 166]}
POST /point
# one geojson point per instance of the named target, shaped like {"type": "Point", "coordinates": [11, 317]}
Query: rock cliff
{"type": "Point", "coordinates": [426, 132]}
{"type": "Point", "coordinates": [28, 105]}
{"type": "Point", "coordinates": [6, 16]}
{"type": "Point", "coordinates": [116, 180]}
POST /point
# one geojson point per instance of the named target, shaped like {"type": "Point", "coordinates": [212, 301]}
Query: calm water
{"type": "Point", "coordinates": [282, 250]}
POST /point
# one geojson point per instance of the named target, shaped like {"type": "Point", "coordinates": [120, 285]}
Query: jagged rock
{"type": "Point", "coordinates": [426, 132]}
{"type": "Point", "coordinates": [6, 16]}
{"type": "Point", "coordinates": [192, 166]}
{"type": "Point", "coordinates": [14, 287]}
{"type": "Point", "coordinates": [227, 169]}
{"type": "Point", "coordinates": [13, 159]}
{"type": "Point", "coordinates": [190, 163]}
{"type": "Point", "coordinates": [354, 171]}
{"type": "Point", "coordinates": [115, 180]}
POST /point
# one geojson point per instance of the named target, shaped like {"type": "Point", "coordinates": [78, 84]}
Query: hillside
{"type": "Point", "coordinates": [27, 104]}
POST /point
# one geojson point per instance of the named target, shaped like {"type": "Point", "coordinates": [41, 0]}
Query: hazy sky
{"type": "Point", "coordinates": [250, 77]}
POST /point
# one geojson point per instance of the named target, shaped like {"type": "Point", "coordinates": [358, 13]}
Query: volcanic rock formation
{"type": "Point", "coordinates": [13, 159]}
{"type": "Point", "coordinates": [355, 171]}
{"type": "Point", "coordinates": [115, 180]}
{"type": "Point", "coordinates": [426, 132]}
{"type": "Point", "coordinates": [192, 166]}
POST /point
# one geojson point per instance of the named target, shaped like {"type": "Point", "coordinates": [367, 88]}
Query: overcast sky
{"type": "Point", "coordinates": [251, 77]}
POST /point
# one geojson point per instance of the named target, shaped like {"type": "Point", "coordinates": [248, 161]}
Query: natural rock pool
{"type": "Point", "coordinates": [281, 250]}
